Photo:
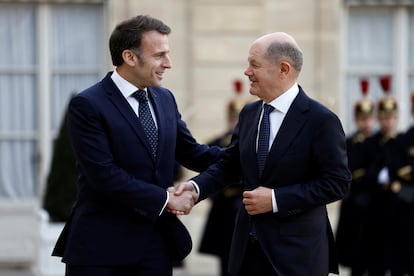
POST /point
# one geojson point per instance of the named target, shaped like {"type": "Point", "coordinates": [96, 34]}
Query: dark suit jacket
{"type": "Point", "coordinates": [121, 187]}
{"type": "Point", "coordinates": [307, 165]}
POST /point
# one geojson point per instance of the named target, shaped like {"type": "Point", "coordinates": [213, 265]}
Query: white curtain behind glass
{"type": "Point", "coordinates": [17, 101]}
{"type": "Point", "coordinates": [77, 50]}
{"type": "Point", "coordinates": [411, 55]}
{"type": "Point", "coordinates": [369, 54]}
{"type": "Point", "coordinates": [76, 56]}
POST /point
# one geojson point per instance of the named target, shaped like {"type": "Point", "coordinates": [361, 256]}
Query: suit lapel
{"type": "Point", "coordinates": [250, 135]}
{"type": "Point", "coordinates": [291, 125]}
{"type": "Point", "coordinates": [116, 97]}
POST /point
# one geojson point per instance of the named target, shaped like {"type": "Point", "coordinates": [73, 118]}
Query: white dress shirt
{"type": "Point", "coordinates": [127, 89]}
{"type": "Point", "coordinates": [281, 105]}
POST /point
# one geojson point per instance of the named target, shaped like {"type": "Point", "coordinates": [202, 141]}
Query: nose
{"type": "Point", "coordinates": [248, 72]}
{"type": "Point", "coordinates": [167, 62]}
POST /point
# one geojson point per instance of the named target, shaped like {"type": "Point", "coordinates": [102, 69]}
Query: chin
{"type": "Point", "coordinates": [253, 92]}
{"type": "Point", "coordinates": [156, 84]}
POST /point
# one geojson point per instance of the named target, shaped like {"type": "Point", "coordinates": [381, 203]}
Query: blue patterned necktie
{"type": "Point", "coordinates": [263, 141]}
{"type": "Point", "coordinates": [146, 119]}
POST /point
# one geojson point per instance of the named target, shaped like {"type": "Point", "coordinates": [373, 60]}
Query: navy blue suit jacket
{"type": "Point", "coordinates": [307, 167]}
{"type": "Point", "coordinates": [121, 187]}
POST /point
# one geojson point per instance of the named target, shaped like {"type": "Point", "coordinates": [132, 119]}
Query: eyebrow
{"type": "Point", "coordinates": [158, 52]}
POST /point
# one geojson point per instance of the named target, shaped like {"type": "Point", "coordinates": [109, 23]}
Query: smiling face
{"type": "Point", "coordinates": [150, 63]}
{"type": "Point", "coordinates": [275, 61]}
{"type": "Point", "coordinates": [262, 74]}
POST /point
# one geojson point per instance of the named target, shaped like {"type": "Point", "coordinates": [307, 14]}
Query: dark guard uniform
{"type": "Point", "coordinates": [402, 260]}
{"type": "Point", "coordinates": [383, 228]}
{"type": "Point", "coordinates": [353, 210]}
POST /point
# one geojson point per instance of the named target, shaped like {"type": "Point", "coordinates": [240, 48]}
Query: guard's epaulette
{"type": "Point", "coordinates": [358, 138]}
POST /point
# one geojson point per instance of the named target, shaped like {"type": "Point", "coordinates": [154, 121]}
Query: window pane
{"type": "Point", "coordinates": [77, 47]}
{"type": "Point", "coordinates": [370, 37]}
{"type": "Point", "coordinates": [63, 87]}
{"type": "Point", "coordinates": [17, 103]}
{"type": "Point", "coordinates": [18, 116]}
{"type": "Point", "coordinates": [17, 169]}
{"type": "Point", "coordinates": [17, 35]}
{"type": "Point", "coordinates": [411, 52]}
{"type": "Point", "coordinates": [369, 43]}
{"type": "Point", "coordinates": [17, 63]}
{"type": "Point", "coordinates": [77, 35]}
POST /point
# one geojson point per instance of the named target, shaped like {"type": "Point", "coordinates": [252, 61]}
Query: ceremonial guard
{"type": "Point", "coordinates": [402, 262]}
{"type": "Point", "coordinates": [384, 153]}
{"type": "Point", "coordinates": [353, 208]}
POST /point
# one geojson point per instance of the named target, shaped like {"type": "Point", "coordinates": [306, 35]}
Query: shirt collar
{"type": "Point", "coordinates": [283, 102]}
{"type": "Point", "coordinates": [126, 88]}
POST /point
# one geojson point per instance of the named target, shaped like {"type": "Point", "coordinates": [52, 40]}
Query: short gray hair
{"type": "Point", "coordinates": [278, 51]}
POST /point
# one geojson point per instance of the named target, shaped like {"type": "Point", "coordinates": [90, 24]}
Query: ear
{"type": "Point", "coordinates": [129, 57]}
{"type": "Point", "coordinates": [285, 68]}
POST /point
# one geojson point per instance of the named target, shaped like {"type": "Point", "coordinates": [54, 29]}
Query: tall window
{"type": "Point", "coordinates": [47, 53]}
{"type": "Point", "coordinates": [380, 42]}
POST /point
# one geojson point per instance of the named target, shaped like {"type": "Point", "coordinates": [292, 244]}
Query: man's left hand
{"type": "Point", "coordinates": [258, 201]}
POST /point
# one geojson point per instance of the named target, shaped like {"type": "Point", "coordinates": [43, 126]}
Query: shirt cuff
{"type": "Point", "coordinates": [165, 204]}
{"type": "Point", "coordinates": [274, 203]}
{"type": "Point", "coordinates": [195, 186]}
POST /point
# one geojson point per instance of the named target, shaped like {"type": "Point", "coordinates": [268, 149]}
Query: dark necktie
{"type": "Point", "coordinates": [263, 141]}
{"type": "Point", "coordinates": [146, 119]}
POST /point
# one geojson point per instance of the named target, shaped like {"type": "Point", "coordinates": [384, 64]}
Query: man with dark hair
{"type": "Point", "coordinates": [127, 135]}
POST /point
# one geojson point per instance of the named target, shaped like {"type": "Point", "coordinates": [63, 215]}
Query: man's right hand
{"type": "Point", "coordinates": [181, 198]}
{"type": "Point", "coordinates": [186, 187]}
{"type": "Point", "coordinates": [180, 204]}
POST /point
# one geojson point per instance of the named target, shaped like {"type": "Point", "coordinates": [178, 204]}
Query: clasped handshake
{"type": "Point", "coordinates": [183, 197]}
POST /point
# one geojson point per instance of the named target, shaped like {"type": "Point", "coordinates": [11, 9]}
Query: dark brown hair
{"type": "Point", "coordinates": [128, 35]}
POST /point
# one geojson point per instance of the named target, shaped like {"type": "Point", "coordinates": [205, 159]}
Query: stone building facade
{"type": "Point", "coordinates": [209, 46]}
